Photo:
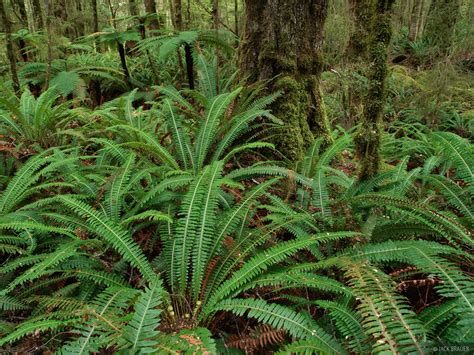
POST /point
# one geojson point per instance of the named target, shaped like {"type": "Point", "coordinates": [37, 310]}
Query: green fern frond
{"type": "Point", "coordinates": [281, 317]}
{"type": "Point", "coordinates": [112, 233]}
{"type": "Point", "coordinates": [141, 329]}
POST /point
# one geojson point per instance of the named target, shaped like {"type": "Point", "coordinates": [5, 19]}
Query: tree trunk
{"type": "Point", "coordinates": [38, 15]}
{"type": "Point", "coordinates": [95, 16]}
{"type": "Point", "coordinates": [367, 139]}
{"type": "Point", "coordinates": [441, 22]}
{"type": "Point", "coordinates": [415, 20]}
{"type": "Point", "coordinates": [123, 61]}
{"type": "Point", "coordinates": [10, 53]}
{"type": "Point", "coordinates": [358, 41]}
{"type": "Point", "coordinates": [20, 5]}
{"type": "Point", "coordinates": [81, 29]}
{"type": "Point", "coordinates": [96, 89]}
{"type": "Point", "coordinates": [236, 17]}
{"type": "Point", "coordinates": [178, 15]}
{"type": "Point", "coordinates": [215, 14]}
{"type": "Point", "coordinates": [133, 10]}
{"type": "Point", "coordinates": [282, 41]}
{"type": "Point", "coordinates": [49, 14]}
{"type": "Point", "coordinates": [150, 7]}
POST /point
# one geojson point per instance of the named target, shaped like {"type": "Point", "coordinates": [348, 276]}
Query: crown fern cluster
{"type": "Point", "coordinates": [138, 243]}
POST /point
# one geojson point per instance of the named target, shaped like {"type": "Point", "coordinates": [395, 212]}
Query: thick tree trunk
{"type": "Point", "coordinates": [441, 22]}
{"type": "Point", "coordinates": [150, 7]}
{"type": "Point", "coordinates": [282, 41]}
{"type": "Point", "coordinates": [10, 53]}
{"type": "Point", "coordinates": [367, 139]}
{"type": "Point", "coordinates": [38, 15]}
{"type": "Point", "coordinates": [20, 5]}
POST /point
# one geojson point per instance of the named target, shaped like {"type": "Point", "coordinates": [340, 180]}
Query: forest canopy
{"type": "Point", "coordinates": [236, 176]}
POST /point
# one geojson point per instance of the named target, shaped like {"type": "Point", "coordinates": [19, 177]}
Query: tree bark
{"type": "Point", "coordinates": [81, 28]}
{"type": "Point", "coordinates": [441, 22]}
{"type": "Point", "coordinates": [282, 42]}
{"type": "Point", "coordinates": [49, 14]}
{"type": "Point", "coordinates": [178, 15]}
{"type": "Point", "coordinates": [95, 16]}
{"type": "Point", "coordinates": [367, 139]}
{"type": "Point", "coordinates": [236, 17]}
{"type": "Point", "coordinates": [415, 20]}
{"type": "Point", "coordinates": [96, 88]}
{"type": "Point", "coordinates": [38, 15]}
{"type": "Point", "coordinates": [150, 7]}
{"type": "Point", "coordinates": [359, 39]}
{"type": "Point", "coordinates": [215, 14]}
{"type": "Point", "coordinates": [20, 5]}
{"type": "Point", "coordinates": [10, 53]}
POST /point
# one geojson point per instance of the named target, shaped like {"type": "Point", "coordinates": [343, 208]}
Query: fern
{"type": "Point", "coordinates": [112, 233]}
{"type": "Point", "coordinates": [141, 328]}
{"type": "Point", "coordinates": [280, 317]}
{"type": "Point", "coordinates": [392, 325]}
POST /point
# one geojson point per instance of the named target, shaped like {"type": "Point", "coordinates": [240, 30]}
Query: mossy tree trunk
{"type": "Point", "coordinates": [282, 42]}
{"type": "Point", "coordinates": [441, 22]}
{"type": "Point", "coordinates": [357, 48]}
{"type": "Point", "coordinates": [367, 139]}
{"type": "Point", "coordinates": [10, 52]}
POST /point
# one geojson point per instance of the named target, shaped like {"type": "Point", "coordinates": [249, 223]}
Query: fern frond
{"type": "Point", "coordinates": [281, 317]}
{"type": "Point", "coordinates": [112, 233]}
{"type": "Point", "coordinates": [142, 327]}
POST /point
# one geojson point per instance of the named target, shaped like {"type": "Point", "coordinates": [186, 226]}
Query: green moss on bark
{"type": "Point", "coordinates": [367, 138]}
{"type": "Point", "coordinates": [281, 44]}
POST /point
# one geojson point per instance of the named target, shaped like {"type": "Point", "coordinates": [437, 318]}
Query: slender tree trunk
{"type": "Point", "coordinates": [282, 40]}
{"type": "Point", "coordinates": [178, 15]}
{"type": "Point", "coordinates": [189, 65]}
{"type": "Point", "coordinates": [20, 5]}
{"type": "Point", "coordinates": [215, 14]}
{"type": "Point", "coordinates": [236, 17]}
{"type": "Point", "coordinates": [367, 139]}
{"type": "Point", "coordinates": [96, 89]}
{"type": "Point", "coordinates": [358, 42]}
{"type": "Point", "coordinates": [415, 20]}
{"type": "Point", "coordinates": [49, 15]}
{"type": "Point", "coordinates": [81, 29]}
{"type": "Point", "coordinates": [10, 53]}
{"type": "Point", "coordinates": [441, 22]}
{"type": "Point", "coordinates": [133, 10]}
{"type": "Point", "coordinates": [123, 61]}
{"type": "Point", "coordinates": [188, 13]}
{"type": "Point", "coordinates": [215, 20]}
{"type": "Point", "coordinates": [150, 7]}
{"type": "Point", "coordinates": [178, 22]}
